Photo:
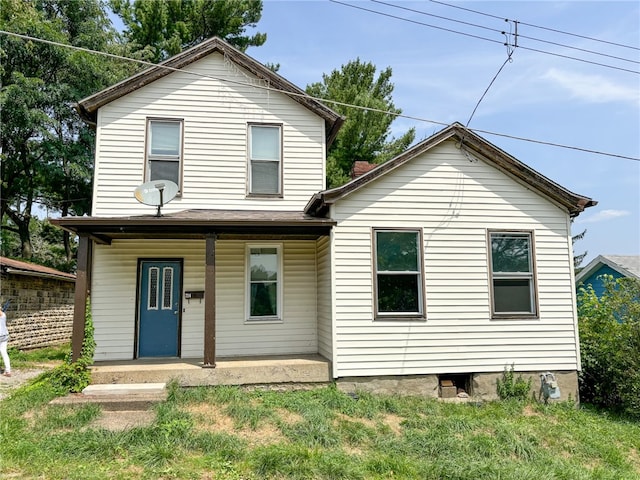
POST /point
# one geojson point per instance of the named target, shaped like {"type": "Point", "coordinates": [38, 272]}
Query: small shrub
{"type": "Point", "coordinates": [609, 328]}
{"type": "Point", "coordinates": [75, 376]}
{"type": "Point", "coordinates": [512, 387]}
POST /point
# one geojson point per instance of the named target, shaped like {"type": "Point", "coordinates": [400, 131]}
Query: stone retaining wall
{"type": "Point", "coordinates": [41, 310]}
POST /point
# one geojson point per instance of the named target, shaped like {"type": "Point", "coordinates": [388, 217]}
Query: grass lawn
{"type": "Point", "coordinates": [231, 433]}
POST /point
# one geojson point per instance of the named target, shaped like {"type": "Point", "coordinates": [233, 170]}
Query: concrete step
{"type": "Point", "coordinates": [118, 397]}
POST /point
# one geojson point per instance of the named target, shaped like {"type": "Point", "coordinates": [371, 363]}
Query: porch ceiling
{"type": "Point", "coordinates": [199, 223]}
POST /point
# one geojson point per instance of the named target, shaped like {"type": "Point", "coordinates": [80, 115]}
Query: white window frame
{"type": "Point", "coordinates": [279, 284]}
{"type": "Point", "coordinates": [419, 273]}
{"type": "Point", "coordinates": [151, 157]}
{"type": "Point", "coordinates": [251, 160]}
{"type": "Point", "coordinates": [530, 275]}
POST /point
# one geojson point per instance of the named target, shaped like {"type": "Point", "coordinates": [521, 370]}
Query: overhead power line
{"type": "Point", "coordinates": [322, 100]}
{"type": "Point", "coordinates": [538, 26]}
{"type": "Point", "coordinates": [557, 44]}
{"type": "Point", "coordinates": [404, 19]}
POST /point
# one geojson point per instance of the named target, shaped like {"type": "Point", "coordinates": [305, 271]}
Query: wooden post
{"type": "Point", "coordinates": [210, 303]}
{"type": "Point", "coordinates": [80, 297]}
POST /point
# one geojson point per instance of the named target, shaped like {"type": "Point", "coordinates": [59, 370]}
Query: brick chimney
{"type": "Point", "coordinates": [360, 167]}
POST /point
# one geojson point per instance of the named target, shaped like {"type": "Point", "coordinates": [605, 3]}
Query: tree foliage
{"type": "Point", "coordinates": [166, 27]}
{"type": "Point", "coordinates": [610, 345]}
{"type": "Point", "coordinates": [46, 148]}
{"type": "Point", "coordinates": [365, 134]}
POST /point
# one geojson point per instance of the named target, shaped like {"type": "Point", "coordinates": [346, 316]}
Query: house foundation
{"type": "Point", "coordinates": [479, 386]}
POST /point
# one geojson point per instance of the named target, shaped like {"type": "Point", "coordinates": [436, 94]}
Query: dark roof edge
{"type": "Point", "coordinates": [88, 107]}
{"type": "Point", "coordinates": [574, 203]}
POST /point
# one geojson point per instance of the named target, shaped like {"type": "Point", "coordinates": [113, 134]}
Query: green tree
{"type": "Point", "coordinates": [609, 329]}
{"type": "Point", "coordinates": [46, 149]}
{"type": "Point", "coordinates": [166, 27]}
{"type": "Point", "coordinates": [365, 133]}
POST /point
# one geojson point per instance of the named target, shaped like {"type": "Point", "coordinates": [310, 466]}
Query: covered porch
{"type": "Point", "coordinates": [284, 369]}
{"type": "Point", "coordinates": [213, 333]}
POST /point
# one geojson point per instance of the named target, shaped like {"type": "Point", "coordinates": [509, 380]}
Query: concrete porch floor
{"type": "Point", "coordinates": [228, 371]}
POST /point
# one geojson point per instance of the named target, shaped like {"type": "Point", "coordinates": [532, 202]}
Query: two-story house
{"type": "Point", "coordinates": [453, 260]}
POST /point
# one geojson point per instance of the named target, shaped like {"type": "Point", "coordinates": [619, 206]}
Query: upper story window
{"type": "Point", "coordinates": [398, 273]}
{"type": "Point", "coordinates": [265, 160]}
{"type": "Point", "coordinates": [513, 285]}
{"type": "Point", "coordinates": [164, 150]}
{"type": "Point", "coordinates": [264, 282]}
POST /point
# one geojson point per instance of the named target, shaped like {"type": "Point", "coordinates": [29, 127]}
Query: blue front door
{"type": "Point", "coordinates": [158, 328]}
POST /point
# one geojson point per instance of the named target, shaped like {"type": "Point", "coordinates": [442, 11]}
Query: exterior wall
{"type": "Point", "coordinates": [113, 299]}
{"type": "Point", "coordinates": [454, 199]}
{"type": "Point", "coordinates": [325, 339]}
{"type": "Point", "coordinates": [41, 311]}
{"type": "Point", "coordinates": [596, 282]}
{"type": "Point", "coordinates": [216, 114]}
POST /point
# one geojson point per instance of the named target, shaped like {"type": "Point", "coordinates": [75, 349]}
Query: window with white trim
{"type": "Point", "coordinates": [264, 282]}
{"type": "Point", "coordinates": [265, 160]}
{"type": "Point", "coordinates": [164, 150]}
{"type": "Point", "coordinates": [398, 273]}
{"type": "Point", "coordinates": [513, 286]}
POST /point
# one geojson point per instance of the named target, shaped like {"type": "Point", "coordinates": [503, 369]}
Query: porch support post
{"type": "Point", "coordinates": [210, 303]}
{"type": "Point", "coordinates": [83, 274]}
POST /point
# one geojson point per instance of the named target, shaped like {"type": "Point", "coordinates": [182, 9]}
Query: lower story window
{"type": "Point", "coordinates": [398, 273]}
{"type": "Point", "coordinates": [512, 272]}
{"type": "Point", "coordinates": [264, 280]}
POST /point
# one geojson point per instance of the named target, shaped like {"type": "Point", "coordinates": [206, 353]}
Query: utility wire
{"type": "Point", "coordinates": [538, 26]}
{"type": "Point", "coordinates": [318, 99]}
{"type": "Point", "coordinates": [485, 92]}
{"type": "Point", "coordinates": [484, 38]}
{"type": "Point", "coordinates": [500, 31]}
{"type": "Point", "coordinates": [417, 22]}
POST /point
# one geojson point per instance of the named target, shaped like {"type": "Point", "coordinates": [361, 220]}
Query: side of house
{"type": "Point", "coordinates": [447, 265]}
{"type": "Point", "coordinates": [616, 266]}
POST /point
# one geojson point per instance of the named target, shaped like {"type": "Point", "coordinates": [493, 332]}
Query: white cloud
{"type": "Point", "coordinates": [592, 88]}
{"type": "Point", "coordinates": [604, 215]}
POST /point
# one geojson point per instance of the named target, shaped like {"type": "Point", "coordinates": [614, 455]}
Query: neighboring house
{"type": "Point", "coordinates": [618, 266]}
{"type": "Point", "coordinates": [451, 261]}
{"type": "Point", "coordinates": [41, 310]}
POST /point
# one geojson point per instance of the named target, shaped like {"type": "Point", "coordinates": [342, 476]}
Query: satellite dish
{"type": "Point", "coordinates": [156, 193]}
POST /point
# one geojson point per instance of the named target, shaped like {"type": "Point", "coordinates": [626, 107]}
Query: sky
{"type": "Point", "coordinates": [441, 69]}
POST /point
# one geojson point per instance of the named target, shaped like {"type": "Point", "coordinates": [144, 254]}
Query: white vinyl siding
{"type": "Point", "coordinates": [215, 116]}
{"type": "Point", "coordinates": [454, 201]}
{"type": "Point", "coordinates": [325, 330]}
{"type": "Point", "coordinates": [113, 299]}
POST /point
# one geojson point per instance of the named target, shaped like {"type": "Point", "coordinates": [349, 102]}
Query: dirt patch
{"type": "Point", "coordinates": [211, 418]}
{"type": "Point", "coordinates": [18, 378]}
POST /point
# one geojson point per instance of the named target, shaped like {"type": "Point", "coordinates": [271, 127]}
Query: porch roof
{"type": "Point", "coordinates": [199, 223]}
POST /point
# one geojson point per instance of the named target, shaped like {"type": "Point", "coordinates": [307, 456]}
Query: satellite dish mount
{"type": "Point", "coordinates": [156, 193]}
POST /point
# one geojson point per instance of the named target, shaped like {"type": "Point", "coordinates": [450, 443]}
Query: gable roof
{"type": "Point", "coordinates": [88, 107]}
{"type": "Point", "coordinates": [574, 203]}
{"type": "Point", "coordinates": [9, 265]}
{"type": "Point", "coordinates": [625, 265]}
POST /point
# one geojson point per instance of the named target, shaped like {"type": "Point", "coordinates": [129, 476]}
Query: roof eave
{"type": "Point", "coordinates": [573, 203]}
